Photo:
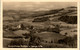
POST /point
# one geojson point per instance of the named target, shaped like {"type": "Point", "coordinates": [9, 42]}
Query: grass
{"type": "Point", "coordinates": [48, 36]}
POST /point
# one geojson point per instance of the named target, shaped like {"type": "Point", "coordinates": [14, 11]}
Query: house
{"type": "Point", "coordinates": [21, 26]}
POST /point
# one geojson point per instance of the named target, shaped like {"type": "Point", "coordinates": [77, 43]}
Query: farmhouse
{"type": "Point", "coordinates": [21, 26]}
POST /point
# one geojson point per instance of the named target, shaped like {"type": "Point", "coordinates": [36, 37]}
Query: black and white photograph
{"type": "Point", "coordinates": [40, 25]}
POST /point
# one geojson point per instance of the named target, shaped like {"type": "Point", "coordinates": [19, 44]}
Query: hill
{"type": "Point", "coordinates": [69, 15]}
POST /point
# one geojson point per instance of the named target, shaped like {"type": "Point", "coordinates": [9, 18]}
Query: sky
{"type": "Point", "coordinates": [35, 6]}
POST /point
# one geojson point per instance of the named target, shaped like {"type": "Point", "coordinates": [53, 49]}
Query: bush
{"type": "Point", "coordinates": [70, 41]}
{"type": "Point", "coordinates": [69, 19]}
{"type": "Point", "coordinates": [43, 19]}
{"type": "Point", "coordinates": [34, 41]}
{"type": "Point", "coordinates": [18, 42]}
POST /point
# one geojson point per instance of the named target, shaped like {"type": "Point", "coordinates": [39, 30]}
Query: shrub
{"type": "Point", "coordinates": [18, 42]}
{"type": "Point", "coordinates": [34, 40]}
{"type": "Point", "coordinates": [69, 19]}
{"type": "Point", "coordinates": [70, 41]}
